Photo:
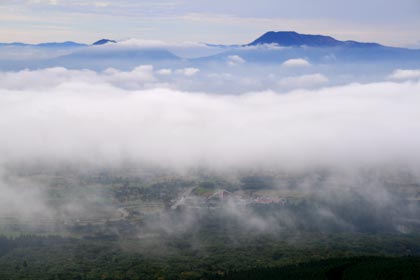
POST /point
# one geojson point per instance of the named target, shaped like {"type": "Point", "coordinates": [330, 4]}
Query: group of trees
{"type": "Point", "coordinates": [208, 254]}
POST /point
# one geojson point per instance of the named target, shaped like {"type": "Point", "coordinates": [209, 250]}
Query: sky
{"type": "Point", "coordinates": [390, 22]}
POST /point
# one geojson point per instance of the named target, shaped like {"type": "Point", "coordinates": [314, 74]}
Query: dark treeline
{"type": "Point", "coordinates": [208, 256]}
{"type": "Point", "coordinates": [341, 268]}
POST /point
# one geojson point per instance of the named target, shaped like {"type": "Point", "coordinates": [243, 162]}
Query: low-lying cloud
{"type": "Point", "coordinates": [79, 116]}
{"type": "Point", "coordinates": [297, 62]}
{"type": "Point", "coordinates": [359, 135]}
{"type": "Point", "coordinates": [304, 81]}
{"type": "Point", "coordinates": [405, 74]}
{"type": "Point", "coordinates": [234, 60]}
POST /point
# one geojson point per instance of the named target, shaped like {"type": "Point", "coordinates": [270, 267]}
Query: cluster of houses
{"type": "Point", "coordinates": [219, 197]}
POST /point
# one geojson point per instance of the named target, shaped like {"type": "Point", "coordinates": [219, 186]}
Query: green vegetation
{"type": "Point", "coordinates": [341, 268]}
{"type": "Point", "coordinates": [210, 254]}
{"type": "Point", "coordinates": [127, 228]}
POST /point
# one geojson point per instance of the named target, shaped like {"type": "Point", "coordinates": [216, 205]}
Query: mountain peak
{"type": "Point", "coordinates": [103, 42]}
{"type": "Point", "coordinates": [294, 39]}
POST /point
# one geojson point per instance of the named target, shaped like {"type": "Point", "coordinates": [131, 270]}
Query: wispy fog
{"type": "Point", "coordinates": [58, 114]}
{"type": "Point", "coordinates": [343, 145]}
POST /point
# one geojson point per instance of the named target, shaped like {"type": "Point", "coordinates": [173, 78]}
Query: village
{"type": "Point", "coordinates": [220, 197]}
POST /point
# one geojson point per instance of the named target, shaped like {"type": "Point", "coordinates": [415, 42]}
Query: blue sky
{"type": "Point", "coordinates": [389, 22]}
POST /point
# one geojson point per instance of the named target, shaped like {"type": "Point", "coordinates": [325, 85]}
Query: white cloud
{"type": "Point", "coordinates": [137, 78]}
{"type": "Point", "coordinates": [402, 74]}
{"type": "Point", "coordinates": [181, 49]}
{"type": "Point", "coordinates": [190, 71]}
{"type": "Point", "coordinates": [234, 60]}
{"type": "Point", "coordinates": [101, 4]}
{"type": "Point", "coordinates": [272, 46]}
{"type": "Point", "coordinates": [133, 79]}
{"type": "Point", "coordinates": [164, 72]}
{"type": "Point", "coordinates": [47, 2]}
{"type": "Point", "coordinates": [140, 43]}
{"type": "Point", "coordinates": [46, 78]}
{"type": "Point", "coordinates": [297, 62]}
{"type": "Point", "coordinates": [304, 81]}
{"type": "Point", "coordinates": [81, 118]}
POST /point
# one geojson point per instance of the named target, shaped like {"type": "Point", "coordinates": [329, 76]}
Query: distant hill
{"type": "Point", "coordinates": [319, 49]}
{"type": "Point", "coordinates": [294, 39]}
{"type": "Point", "coordinates": [61, 45]}
{"type": "Point", "coordinates": [122, 58]}
{"type": "Point", "coordinates": [67, 44]}
{"type": "Point", "coordinates": [103, 42]}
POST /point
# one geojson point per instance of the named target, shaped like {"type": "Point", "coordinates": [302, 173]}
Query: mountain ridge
{"type": "Point", "coordinates": [294, 39]}
{"type": "Point", "coordinates": [281, 38]}
{"type": "Point", "coordinates": [46, 44]}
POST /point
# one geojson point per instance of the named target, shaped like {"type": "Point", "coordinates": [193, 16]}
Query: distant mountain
{"type": "Point", "coordinates": [121, 58]}
{"type": "Point", "coordinates": [67, 44]}
{"type": "Point", "coordinates": [319, 49]}
{"type": "Point", "coordinates": [294, 39]}
{"type": "Point", "coordinates": [103, 42]}
{"type": "Point", "coordinates": [14, 44]}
